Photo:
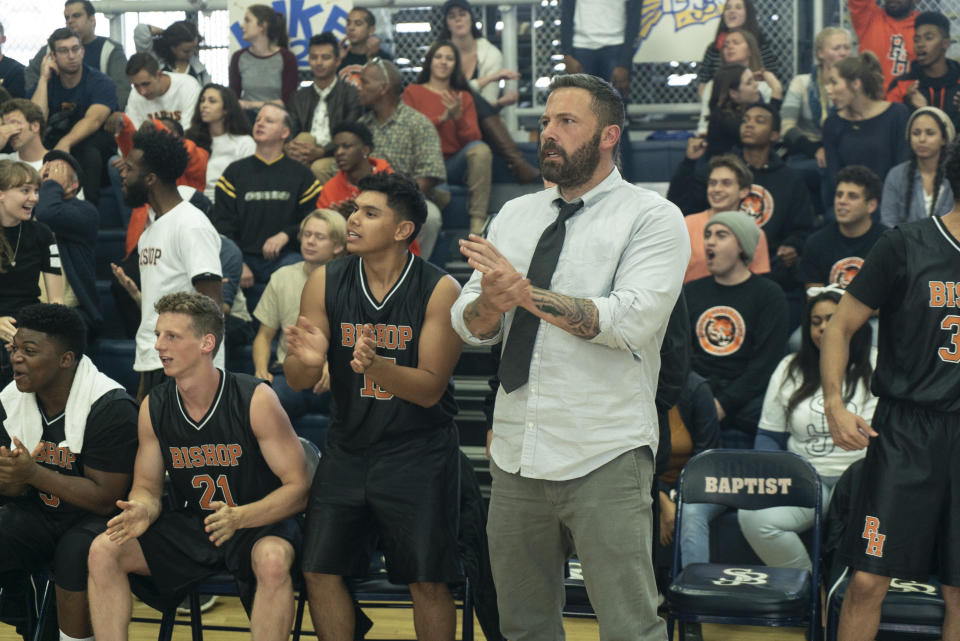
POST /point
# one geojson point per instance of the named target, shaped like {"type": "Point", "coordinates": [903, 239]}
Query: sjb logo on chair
{"type": "Point", "coordinates": [741, 576]}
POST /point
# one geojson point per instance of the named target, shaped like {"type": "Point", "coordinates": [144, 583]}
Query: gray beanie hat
{"type": "Point", "coordinates": [743, 227]}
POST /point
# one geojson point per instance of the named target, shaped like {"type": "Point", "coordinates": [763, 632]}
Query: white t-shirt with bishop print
{"type": "Point", "coordinates": [173, 249]}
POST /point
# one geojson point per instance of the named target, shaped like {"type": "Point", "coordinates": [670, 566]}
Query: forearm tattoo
{"type": "Point", "coordinates": [471, 313]}
{"type": "Point", "coordinates": [579, 316]}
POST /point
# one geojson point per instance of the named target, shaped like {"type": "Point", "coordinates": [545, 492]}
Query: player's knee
{"type": "Point", "coordinates": [103, 557]}
{"type": "Point", "coordinates": [271, 562]}
{"type": "Point", "coordinates": [865, 586]}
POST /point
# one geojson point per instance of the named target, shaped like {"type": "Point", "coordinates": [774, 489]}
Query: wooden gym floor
{"type": "Point", "coordinates": [395, 623]}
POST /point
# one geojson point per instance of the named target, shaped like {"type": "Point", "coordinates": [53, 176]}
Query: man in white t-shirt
{"type": "Point", "coordinates": [21, 124]}
{"type": "Point", "coordinates": [158, 94]}
{"type": "Point", "coordinates": [178, 251]}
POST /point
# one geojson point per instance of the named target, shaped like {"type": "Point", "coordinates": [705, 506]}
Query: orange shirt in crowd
{"type": "Point", "coordinates": [339, 188]}
{"type": "Point", "coordinates": [696, 224]}
{"type": "Point", "coordinates": [889, 38]}
{"type": "Point", "coordinates": [454, 134]}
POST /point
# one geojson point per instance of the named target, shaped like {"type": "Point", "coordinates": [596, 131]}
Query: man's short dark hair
{"type": "Point", "coordinates": [368, 16]}
{"type": "Point", "coordinates": [205, 314]}
{"type": "Point", "coordinates": [31, 112]}
{"type": "Point", "coordinates": [934, 18]}
{"type": "Point", "coordinates": [325, 38]}
{"type": "Point", "coordinates": [734, 164]}
{"type": "Point", "coordinates": [403, 197]}
{"type": "Point", "coordinates": [775, 119]}
{"type": "Point", "coordinates": [163, 154]}
{"type": "Point", "coordinates": [142, 61]}
{"type": "Point", "coordinates": [60, 34]}
{"type": "Point", "coordinates": [87, 6]}
{"type": "Point", "coordinates": [606, 102]}
{"type": "Point", "coordinates": [863, 177]}
{"type": "Point", "coordinates": [59, 322]}
{"type": "Point", "coordinates": [358, 129]}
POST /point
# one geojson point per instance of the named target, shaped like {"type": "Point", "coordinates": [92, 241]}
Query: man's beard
{"type": "Point", "coordinates": [899, 12]}
{"type": "Point", "coordinates": [575, 169]}
{"type": "Point", "coordinates": [135, 194]}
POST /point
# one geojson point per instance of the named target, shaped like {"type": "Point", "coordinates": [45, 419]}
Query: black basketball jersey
{"type": "Point", "coordinates": [218, 457]}
{"type": "Point", "coordinates": [109, 445]}
{"type": "Point", "coordinates": [913, 278]}
{"type": "Point", "coordinates": [363, 414]}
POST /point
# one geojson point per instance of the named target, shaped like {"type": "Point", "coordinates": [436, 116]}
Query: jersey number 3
{"type": "Point", "coordinates": [951, 323]}
{"type": "Point", "coordinates": [209, 486]}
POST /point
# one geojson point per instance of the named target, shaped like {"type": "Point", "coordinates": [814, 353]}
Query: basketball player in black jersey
{"type": "Point", "coordinates": [236, 467]}
{"type": "Point", "coordinates": [64, 480]}
{"type": "Point", "coordinates": [908, 500]}
{"type": "Point", "coordinates": [381, 317]}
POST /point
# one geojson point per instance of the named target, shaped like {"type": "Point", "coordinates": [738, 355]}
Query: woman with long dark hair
{"type": "Point", "coordinates": [220, 126]}
{"type": "Point", "coordinates": [266, 71]}
{"type": "Point", "coordinates": [917, 188]}
{"type": "Point", "coordinates": [442, 94]}
{"type": "Point", "coordinates": [793, 420]}
{"type": "Point", "coordinates": [734, 89]}
{"type": "Point", "coordinates": [176, 48]}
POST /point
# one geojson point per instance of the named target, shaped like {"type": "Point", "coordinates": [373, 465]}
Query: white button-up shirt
{"type": "Point", "coordinates": [588, 401]}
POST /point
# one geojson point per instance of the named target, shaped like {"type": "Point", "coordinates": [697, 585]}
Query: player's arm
{"type": "Point", "coordinates": [210, 285]}
{"type": "Point", "coordinates": [309, 339]}
{"type": "Point", "coordinates": [438, 351]}
{"type": "Point", "coordinates": [261, 351]}
{"type": "Point", "coordinates": [284, 455]}
{"type": "Point", "coordinates": [142, 506]}
{"type": "Point", "coordinates": [96, 491]}
{"type": "Point", "coordinates": [848, 430]}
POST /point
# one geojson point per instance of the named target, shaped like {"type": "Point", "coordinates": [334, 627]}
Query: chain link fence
{"type": "Point", "coordinates": [785, 24]}
{"type": "Point", "coordinates": [539, 54]}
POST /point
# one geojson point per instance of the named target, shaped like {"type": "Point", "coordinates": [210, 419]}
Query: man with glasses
{"type": "Point", "coordinates": [76, 100]}
{"type": "Point", "coordinates": [98, 52]}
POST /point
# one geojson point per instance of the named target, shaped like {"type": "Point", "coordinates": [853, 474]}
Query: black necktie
{"type": "Point", "coordinates": [515, 362]}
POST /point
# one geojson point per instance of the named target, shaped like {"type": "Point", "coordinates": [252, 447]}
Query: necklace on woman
{"type": "Point", "coordinates": [13, 261]}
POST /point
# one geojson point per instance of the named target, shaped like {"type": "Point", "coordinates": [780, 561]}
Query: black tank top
{"type": "Point", "coordinates": [218, 457]}
{"type": "Point", "coordinates": [362, 413]}
{"type": "Point", "coordinates": [919, 343]}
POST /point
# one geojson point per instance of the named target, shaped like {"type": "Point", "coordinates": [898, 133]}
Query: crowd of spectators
{"type": "Point", "coordinates": [784, 192]}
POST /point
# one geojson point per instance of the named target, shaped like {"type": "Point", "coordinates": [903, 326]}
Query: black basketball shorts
{"type": "Point", "coordinates": [905, 521]}
{"type": "Point", "coordinates": [406, 494]}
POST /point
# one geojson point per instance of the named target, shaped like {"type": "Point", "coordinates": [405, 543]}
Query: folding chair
{"type": "Point", "coordinates": [910, 607]}
{"type": "Point", "coordinates": [747, 594]}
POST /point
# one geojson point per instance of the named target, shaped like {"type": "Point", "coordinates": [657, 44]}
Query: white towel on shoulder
{"type": "Point", "coordinates": [23, 415]}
